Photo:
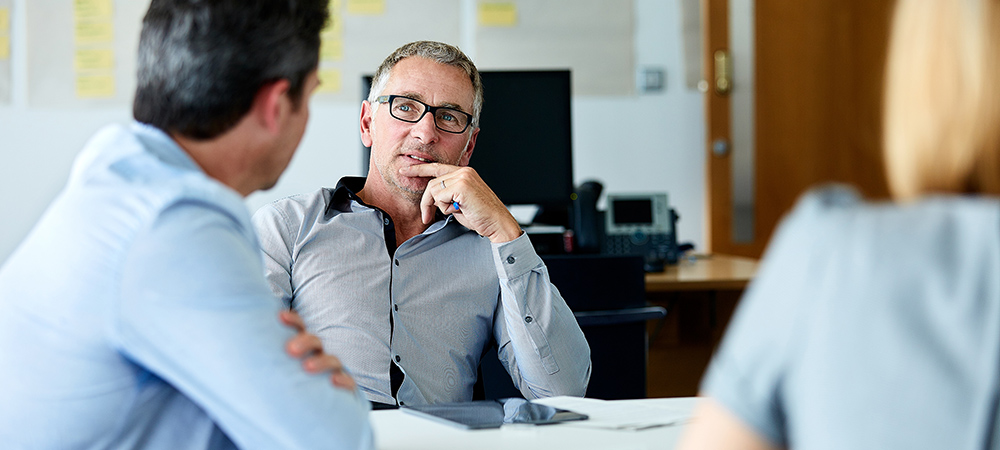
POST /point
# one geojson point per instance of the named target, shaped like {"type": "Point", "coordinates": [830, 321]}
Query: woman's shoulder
{"type": "Point", "coordinates": [835, 245]}
{"type": "Point", "coordinates": [837, 216]}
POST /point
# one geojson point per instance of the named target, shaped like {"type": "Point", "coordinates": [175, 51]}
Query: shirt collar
{"type": "Point", "coordinates": [346, 192]}
{"type": "Point", "coordinates": [161, 145]}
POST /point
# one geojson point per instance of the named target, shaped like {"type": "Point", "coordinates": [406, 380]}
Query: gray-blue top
{"type": "Point", "coordinates": [870, 326]}
{"type": "Point", "coordinates": [135, 315]}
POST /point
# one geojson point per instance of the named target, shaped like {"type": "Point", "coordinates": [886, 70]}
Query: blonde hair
{"type": "Point", "coordinates": [942, 102]}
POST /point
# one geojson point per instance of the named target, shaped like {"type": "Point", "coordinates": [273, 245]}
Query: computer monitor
{"type": "Point", "coordinates": [524, 150]}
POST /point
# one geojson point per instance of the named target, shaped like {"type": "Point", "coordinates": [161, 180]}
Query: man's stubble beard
{"type": "Point", "coordinates": [412, 195]}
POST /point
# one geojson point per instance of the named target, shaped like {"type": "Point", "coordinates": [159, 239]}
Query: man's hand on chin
{"type": "Point", "coordinates": [459, 191]}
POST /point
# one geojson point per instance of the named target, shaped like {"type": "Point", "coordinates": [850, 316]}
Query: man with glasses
{"type": "Point", "coordinates": [413, 272]}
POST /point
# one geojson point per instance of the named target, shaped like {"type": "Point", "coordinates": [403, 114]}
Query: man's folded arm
{"type": "Point", "coordinates": [196, 312]}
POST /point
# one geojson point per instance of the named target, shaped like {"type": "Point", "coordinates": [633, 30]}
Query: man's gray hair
{"type": "Point", "coordinates": [435, 51]}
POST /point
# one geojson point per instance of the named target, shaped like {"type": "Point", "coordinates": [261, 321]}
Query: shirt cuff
{"type": "Point", "coordinates": [515, 258]}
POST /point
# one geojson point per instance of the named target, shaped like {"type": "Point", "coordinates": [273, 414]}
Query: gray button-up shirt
{"type": "Point", "coordinates": [431, 304]}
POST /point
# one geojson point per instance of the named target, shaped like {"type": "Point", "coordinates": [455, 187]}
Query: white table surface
{"type": "Point", "coordinates": [397, 430]}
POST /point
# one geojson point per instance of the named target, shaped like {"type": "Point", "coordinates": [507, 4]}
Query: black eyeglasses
{"type": "Point", "coordinates": [449, 120]}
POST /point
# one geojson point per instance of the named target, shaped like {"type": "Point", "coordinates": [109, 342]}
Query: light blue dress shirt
{"type": "Point", "coordinates": [135, 315]}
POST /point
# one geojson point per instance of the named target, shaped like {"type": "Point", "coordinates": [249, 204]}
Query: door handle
{"type": "Point", "coordinates": [723, 72]}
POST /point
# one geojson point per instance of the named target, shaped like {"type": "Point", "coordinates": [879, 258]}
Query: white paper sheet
{"type": "Point", "coordinates": [622, 414]}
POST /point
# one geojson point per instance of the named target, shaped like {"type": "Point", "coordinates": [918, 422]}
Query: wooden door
{"type": "Point", "coordinates": [818, 86]}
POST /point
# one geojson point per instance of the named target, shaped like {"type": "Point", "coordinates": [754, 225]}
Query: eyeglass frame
{"type": "Point", "coordinates": [387, 99]}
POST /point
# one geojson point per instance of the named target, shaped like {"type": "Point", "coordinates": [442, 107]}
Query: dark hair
{"type": "Point", "coordinates": [201, 62]}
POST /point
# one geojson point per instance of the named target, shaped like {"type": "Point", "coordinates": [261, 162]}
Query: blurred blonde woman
{"type": "Point", "coordinates": [878, 325]}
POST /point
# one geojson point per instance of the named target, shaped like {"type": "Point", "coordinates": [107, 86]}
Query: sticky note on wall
{"type": "Point", "coordinates": [335, 26]}
{"type": "Point", "coordinates": [331, 50]}
{"type": "Point", "coordinates": [334, 29]}
{"type": "Point", "coordinates": [92, 9]}
{"type": "Point", "coordinates": [94, 32]}
{"type": "Point", "coordinates": [94, 59]}
{"type": "Point", "coordinates": [329, 81]}
{"type": "Point", "coordinates": [95, 86]}
{"type": "Point", "coordinates": [4, 20]}
{"type": "Point", "coordinates": [4, 33]}
{"type": "Point", "coordinates": [366, 7]}
{"type": "Point", "coordinates": [497, 14]}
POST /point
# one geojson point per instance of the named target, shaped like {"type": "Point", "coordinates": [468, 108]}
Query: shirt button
{"type": "Point", "coordinates": [385, 221]}
{"type": "Point", "coordinates": [397, 358]}
{"type": "Point", "coordinates": [397, 263]}
{"type": "Point", "coordinates": [510, 260]}
{"type": "Point", "coordinates": [401, 403]}
{"type": "Point", "coordinates": [396, 307]}
{"type": "Point", "coordinates": [527, 319]}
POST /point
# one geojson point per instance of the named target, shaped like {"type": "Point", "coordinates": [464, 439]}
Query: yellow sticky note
{"type": "Point", "coordinates": [95, 86]}
{"type": "Point", "coordinates": [334, 28]}
{"type": "Point", "coordinates": [4, 20]}
{"type": "Point", "coordinates": [94, 32]}
{"type": "Point", "coordinates": [4, 47]}
{"type": "Point", "coordinates": [329, 81]}
{"type": "Point", "coordinates": [497, 14]}
{"type": "Point", "coordinates": [331, 50]}
{"type": "Point", "coordinates": [94, 59]}
{"type": "Point", "coordinates": [366, 7]}
{"type": "Point", "coordinates": [92, 9]}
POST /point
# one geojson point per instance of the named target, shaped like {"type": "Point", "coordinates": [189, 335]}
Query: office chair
{"type": "Point", "coordinates": [608, 297]}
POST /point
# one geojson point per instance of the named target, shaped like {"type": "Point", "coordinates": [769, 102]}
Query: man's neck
{"type": "Point", "coordinates": [405, 212]}
{"type": "Point", "coordinates": [216, 158]}
{"type": "Point", "coordinates": [230, 157]}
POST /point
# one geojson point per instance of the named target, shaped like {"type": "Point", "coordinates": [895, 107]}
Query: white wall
{"type": "Point", "coordinates": [650, 142]}
{"type": "Point", "coordinates": [647, 142]}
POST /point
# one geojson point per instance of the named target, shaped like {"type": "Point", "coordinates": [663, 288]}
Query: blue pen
{"type": "Point", "coordinates": [455, 205]}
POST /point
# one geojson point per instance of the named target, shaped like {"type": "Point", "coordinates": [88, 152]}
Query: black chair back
{"type": "Point", "coordinates": [608, 295]}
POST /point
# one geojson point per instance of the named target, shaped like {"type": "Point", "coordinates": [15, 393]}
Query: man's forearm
{"type": "Point", "coordinates": [547, 347]}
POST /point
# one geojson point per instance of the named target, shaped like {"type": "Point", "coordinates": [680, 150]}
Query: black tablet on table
{"type": "Point", "coordinates": [493, 413]}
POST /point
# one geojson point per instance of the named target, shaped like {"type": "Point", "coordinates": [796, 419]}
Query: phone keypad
{"type": "Point", "coordinates": [637, 243]}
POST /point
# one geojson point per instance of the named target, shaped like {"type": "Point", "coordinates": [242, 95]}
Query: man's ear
{"type": "Point", "coordinates": [271, 104]}
{"type": "Point", "coordinates": [366, 123]}
{"type": "Point", "coordinates": [467, 154]}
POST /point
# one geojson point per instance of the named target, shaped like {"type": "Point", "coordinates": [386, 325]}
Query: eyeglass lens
{"type": "Point", "coordinates": [447, 119]}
